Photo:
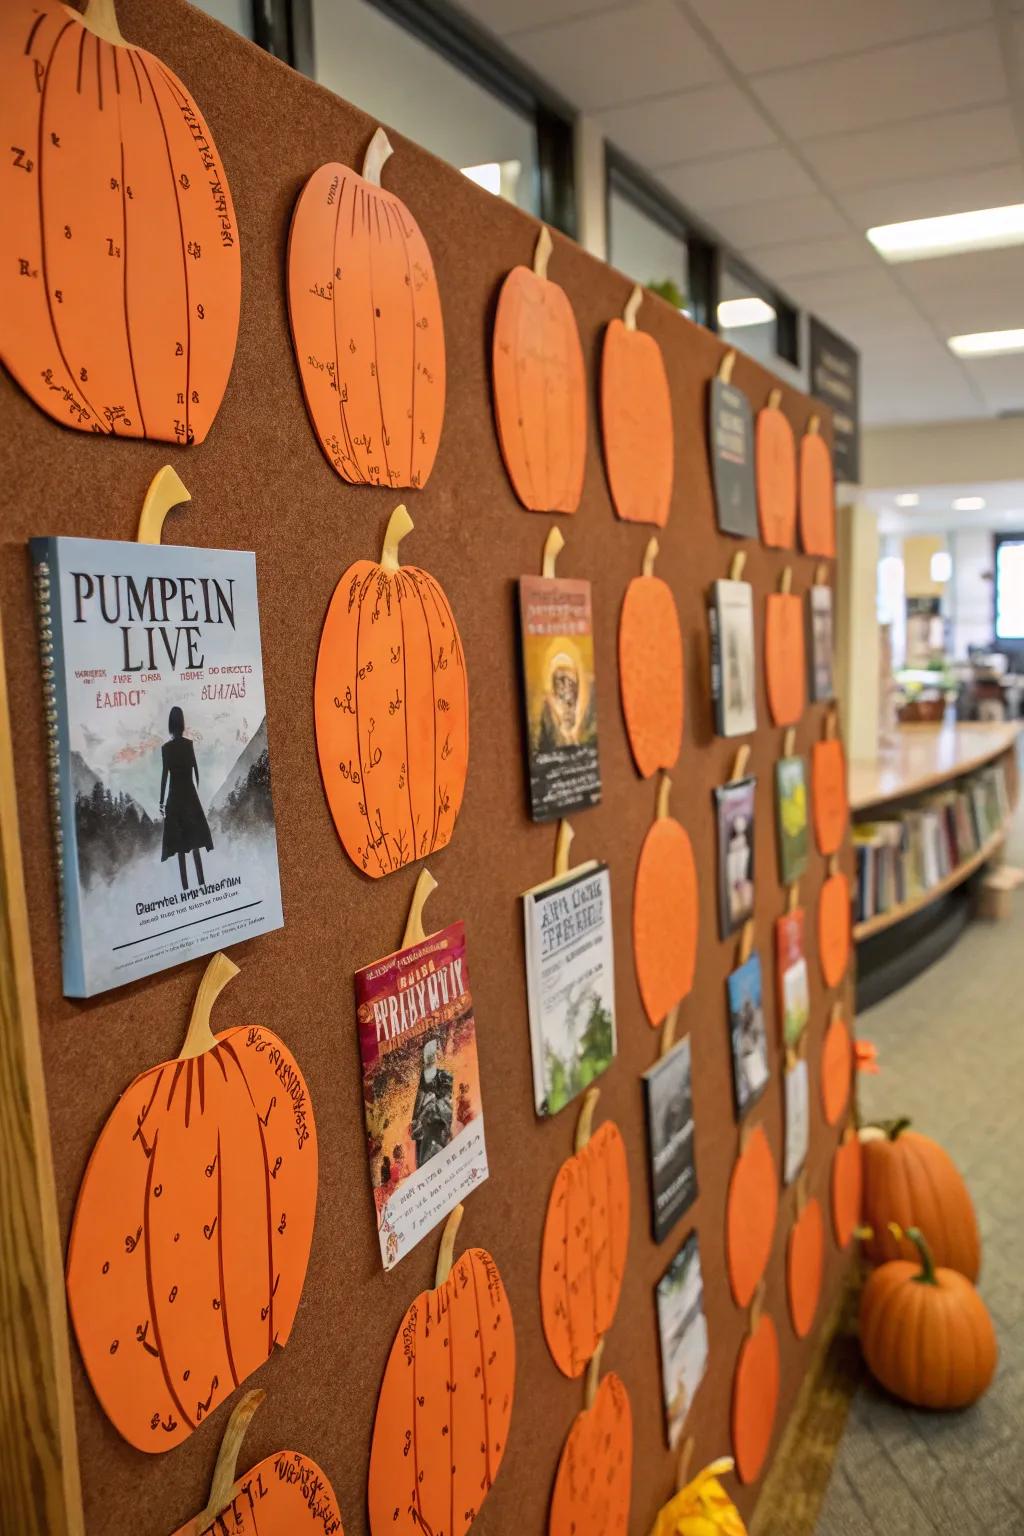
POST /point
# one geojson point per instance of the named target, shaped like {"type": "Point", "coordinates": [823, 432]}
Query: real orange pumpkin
{"type": "Point", "coordinates": [595, 1471]}
{"type": "Point", "coordinates": [846, 1187]}
{"type": "Point", "coordinates": [191, 1234]}
{"type": "Point", "coordinates": [540, 387]}
{"type": "Point", "coordinates": [120, 273]}
{"type": "Point", "coordinates": [834, 928]}
{"type": "Point", "coordinates": [366, 325]}
{"type": "Point", "coordinates": [445, 1403]}
{"type": "Point", "coordinates": [666, 905]}
{"type": "Point", "coordinates": [391, 704]}
{"type": "Point", "coordinates": [911, 1180]}
{"type": "Point", "coordinates": [784, 660]}
{"type": "Point", "coordinates": [926, 1333]}
{"type": "Point", "coordinates": [755, 1396]}
{"type": "Point", "coordinates": [836, 1068]}
{"type": "Point", "coordinates": [636, 420]}
{"type": "Point", "coordinates": [751, 1208]}
{"type": "Point", "coordinates": [805, 1262]}
{"type": "Point", "coordinates": [817, 495]}
{"type": "Point", "coordinates": [775, 464]}
{"type": "Point", "coordinates": [651, 669]}
{"type": "Point", "coordinates": [829, 804]}
{"type": "Point", "coordinates": [583, 1251]}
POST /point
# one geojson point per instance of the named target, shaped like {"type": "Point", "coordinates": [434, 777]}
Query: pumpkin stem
{"type": "Point", "coordinates": [100, 18]}
{"type": "Point", "coordinates": [661, 803]}
{"type": "Point", "coordinates": [814, 425]}
{"type": "Point", "coordinates": [786, 581]}
{"type": "Point", "coordinates": [775, 399]}
{"type": "Point", "coordinates": [897, 1128]}
{"type": "Point", "coordinates": [414, 922]}
{"type": "Point", "coordinates": [821, 575]}
{"type": "Point", "coordinates": [736, 565]}
{"type": "Point", "coordinates": [683, 1464]}
{"type": "Point", "coordinates": [920, 1242]}
{"type": "Point", "coordinates": [593, 1373]}
{"type": "Point", "coordinates": [446, 1252]}
{"type": "Point", "coordinates": [378, 151]}
{"type": "Point", "coordinates": [200, 1037]}
{"type": "Point", "coordinates": [789, 742]}
{"type": "Point", "coordinates": [399, 524]}
{"type": "Point", "coordinates": [747, 941]}
{"type": "Point", "coordinates": [793, 897]}
{"type": "Point", "coordinates": [165, 491]}
{"type": "Point", "coordinates": [586, 1118]}
{"type": "Point", "coordinates": [553, 546]}
{"type": "Point", "coordinates": [668, 1030]}
{"type": "Point", "coordinates": [633, 303]}
{"type": "Point", "coordinates": [727, 365]}
{"type": "Point", "coordinates": [542, 252]}
{"type": "Point", "coordinates": [650, 555]}
{"type": "Point", "coordinates": [222, 1487]}
{"type": "Point", "coordinates": [740, 761]}
{"type": "Point", "coordinates": [563, 842]}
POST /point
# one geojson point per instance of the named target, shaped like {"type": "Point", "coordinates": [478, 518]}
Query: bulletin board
{"type": "Point", "coordinates": [260, 482]}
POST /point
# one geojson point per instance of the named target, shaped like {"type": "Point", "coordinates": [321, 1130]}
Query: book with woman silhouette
{"type": "Point", "coordinates": [186, 829]}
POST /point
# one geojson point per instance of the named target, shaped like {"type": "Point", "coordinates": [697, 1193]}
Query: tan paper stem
{"type": "Point", "coordinates": [727, 365]}
{"type": "Point", "coordinates": [414, 922]}
{"type": "Point", "coordinates": [586, 1118]}
{"type": "Point", "coordinates": [801, 1190]}
{"type": "Point", "coordinates": [100, 18]}
{"type": "Point", "coordinates": [757, 1306]}
{"type": "Point", "coordinates": [661, 801]}
{"type": "Point", "coordinates": [786, 581]}
{"type": "Point", "coordinates": [739, 765]}
{"type": "Point", "coordinates": [399, 524]}
{"type": "Point", "coordinates": [831, 723]}
{"type": "Point", "coordinates": [542, 252]}
{"type": "Point", "coordinates": [593, 1374]}
{"type": "Point", "coordinates": [446, 1252]}
{"type": "Point", "coordinates": [736, 565]}
{"type": "Point", "coordinates": [684, 1463]}
{"type": "Point", "coordinates": [223, 1486]}
{"type": "Point", "coordinates": [821, 575]}
{"type": "Point", "coordinates": [775, 399]}
{"type": "Point", "coordinates": [790, 1058]}
{"type": "Point", "coordinates": [650, 555]}
{"type": "Point", "coordinates": [633, 303]}
{"type": "Point", "coordinates": [563, 842]}
{"type": "Point", "coordinates": [789, 741]}
{"type": "Point", "coordinates": [553, 546]}
{"type": "Point", "coordinates": [200, 1036]}
{"type": "Point", "coordinates": [668, 1030]}
{"type": "Point", "coordinates": [747, 941]}
{"type": "Point", "coordinates": [165, 491]}
{"type": "Point", "coordinates": [814, 425]}
{"type": "Point", "coordinates": [378, 151]}
{"type": "Point", "coordinates": [745, 1134]}
{"type": "Point", "coordinates": [833, 864]}
{"type": "Point", "coordinates": [793, 896]}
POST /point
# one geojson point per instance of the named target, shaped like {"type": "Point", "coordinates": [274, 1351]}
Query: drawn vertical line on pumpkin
{"type": "Point", "coordinates": [517, 376]}
{"type": "Point", "coordinates": [483, 1371]}
{"type": "Point", "coordinates": [181, 230]}
{"type": "Point", "coordinates": [188, 1093]}
{"type": "Point", "coordinates": [356, 477]}
{"type": "Point", "coordinates": [81, 56]}
{"type": "Point", "coordinates": [40, 19]}
{"type": "Point", "coordinates": [220, 1265]}
{"type": "Point", "coordinates": [433, 712]}
{"type": "Point", "coordinates": [446, 619]}
{"type": "Point", "coordinates": [178, 1065]}
{"type": "Point", "coordinates": [124, 249]}
{"type": "Point", "coordinates": [412, 301]}
{"type": "Point", "coordinates": [201, 1076]}
{"type": "Point", "coordinates": [147, 1241]}
{"type": "Point", "coordinates": [372, 203]}
{"type": "Point", "coordinates": [405, 715]}
{"type": "Point", "coordinates": [415, 1403]}
{"type": "Point", "coordinates": [128, 53]}
{"type": "Point", "coordinates": [99, 72]}
{"type": "Point", "coordinates": [451, 1410]}
{"type": "Point", "coordinates": [372, 844]}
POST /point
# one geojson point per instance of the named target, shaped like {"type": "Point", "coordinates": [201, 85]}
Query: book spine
{"type": "Point", "coordinates": [51, 713]}
{"type": "Point", "coordinates": [715, 651]}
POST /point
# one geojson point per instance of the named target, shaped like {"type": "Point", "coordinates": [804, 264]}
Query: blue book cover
{"type": "Point", "coordinates": [159, 759]}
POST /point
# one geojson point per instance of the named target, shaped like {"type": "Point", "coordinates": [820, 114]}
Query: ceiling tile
{"type": "Point", "coordinates": [629, 54]}
{"type": "Point", "coordinates": [915, 383]}
{"type": "Point", "coordinates": [712, 120]}
{"type": "Point", "coordinates": [506, 16]}
{"type": "Point", "coordinates": [931, 196]}
{"type": "Point", "coordinates": [760, 37]}
{"type": "Point", "coordinates": [801, 258]}
{"type": "Point", "coordinates": [1001, 381]}
{"type": "Point", "coordinates": [789, 218]}
{"type": "Point", "coordinates": [959, 69]}
{"type": "Point", "coordinates": [705, 185]}
{"type": "Point", "coordinates": [900, 152]}
{"type": "Point", "coordinates": [978, 291]}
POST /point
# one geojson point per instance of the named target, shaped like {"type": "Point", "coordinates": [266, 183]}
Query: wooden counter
{"type": "Point", "coordinates": [926, 756]}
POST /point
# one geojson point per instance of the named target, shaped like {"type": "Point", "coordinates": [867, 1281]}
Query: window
{"type": "Point", "coordinates": [652, 241]}
{"type": "Point", "coordinates": [1010, 587]}
{"type": "Point", "coordinates": [753, 317]}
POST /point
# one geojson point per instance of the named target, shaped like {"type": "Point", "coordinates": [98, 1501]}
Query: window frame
{"type": "Point", "coordinates": [624, 177]}
{"type": "Point", "coordinates": [1016, 644]}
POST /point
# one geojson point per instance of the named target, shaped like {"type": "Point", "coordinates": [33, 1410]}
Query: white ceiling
{"type": "Point", "coordinates": [790, 128]}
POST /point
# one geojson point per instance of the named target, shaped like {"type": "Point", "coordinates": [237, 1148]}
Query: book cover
{"type": "Point", "coordinates": [559, 696]}
{"type": "Point", "coordinates": [747, 1036]}
{"type": "Point", "coordinates": [798, 1119]}
{"type": "Point", "coordinates": [159, 753]}
{"type": "Point", "coordinates": [791, 816]}
{"type": "Point", "coordinates": [683, 1335]}
{"type": "Point", "coordinates": [668, 1095]}
{"type": "Point", "coordinates": [570, 984]}
{"type": "Point", "coordinates": [421, 1087]}
{"type": "Point", "coordinates": [733, 677]}
{"type": "Point", "coordinates": [734, 812]}
{"type": "Point", "coordinates": [791, 966]}
{"type": "Point", "coordinates": [731, 429]}
{"type": "Point", "coordinates": [822, 647]}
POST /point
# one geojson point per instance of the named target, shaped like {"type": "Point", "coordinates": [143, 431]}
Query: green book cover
{"type": "Point", "coordinates": [791, 809]}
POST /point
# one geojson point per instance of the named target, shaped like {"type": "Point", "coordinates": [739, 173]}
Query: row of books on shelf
{"type": "Point", "coordinates": [908, 854]}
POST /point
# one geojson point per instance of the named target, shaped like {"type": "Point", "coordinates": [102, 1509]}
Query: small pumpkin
{"type": "Point", "coordinates": [755, 1395]}
{"type": "Point", "coordinates": [805, 1262]}
{"type": "Point", "coordinates": [785, 664]}
{"type": "Point", "coordinates": [847, 1186]}
{"type": "Point", "coordinates": [666, 904]}
{"type": "Point", "coordinates": [583, 1250]}
{"type": "Point", "coordinates": [285, 1494]}
{"type": "Point", "coordinates": [636, 420]}
{"type": "Point", "coordinates": [834, 927]}
{"type": "Point", "coordinates": [120, 267]}
{"type": "Point", "coordinates": [594, 1480]}
{"type": "Point", "coordinates": [702, 1507]}
{"type": "Point", "coordinates": [925, 1333]}
{"type": "Point", "coordinates": [445, 1403]}
{"type": "Point", "coordinates": [391, 703]}
{"type": "Point", "coordinates": [912, 1181]}
{"type": "Point", "coordinates": [836, 1067]}
{"type": "Point", "coordinates": [750, 1211]}
{"type": "Point", "coordinates": [191, 1234]}
{"type": "Point", "coordinates": [651, 669]}
{"type": "Point", "coordinates": [366, 325]}
{"type": "Point", "coordinates": [540, 387]}
{"type": "Point", "coordinates": [775, 466]}
{"type": "Point", "coordinates": [817, 494]}
{"type": "Point", "coordinates": [830, 807]}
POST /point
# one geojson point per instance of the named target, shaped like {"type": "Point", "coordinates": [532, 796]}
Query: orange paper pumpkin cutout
{"type": "Point", "coordinates": [834, 928]}
{"type": "Point", "coordinates": [829, 804]}
{"type": "Point", "coordinates": [636, 420]}
{"type": "Point", "coordinates": [847, 1185]}
{"type": "Point", "coordinates": [120, 273]}
{"type": "Point", "coordinates": [583, 1252]}
{"type": "Point", "coordinates": [285, 1494]}
{"type": "Point", "coordinates": [595, 1471]}
{"type": "Point", "coordinates": [651, 669]}
{"type": "Point", "coordinates": [817, 495]}
{"type": "Point", "coordinates": [836, 1068]}
{"type": "Point", "coordinates": [540, 388]}
{"type": "Point", "coordinates": [666, 905]}
{"type": "Point", "coordinates": [366, 325]}
{"type": "Point", "coordinates": [784, 660]}
{"type": "Point", "coordinates": [392, 710]}
{"type": "Point", "coordinates": [775, 464]}
{"type": "Point", "coordinates": [805, 1262]}
{"type": "Point", "coordinates": [755, 1397]}
{"type": "Point", "coordinates": [751, 1208]}
{"type": "Point", "coordinates": [191, 1235]}
{"type": "Point", "coordinates": [446, 1400]}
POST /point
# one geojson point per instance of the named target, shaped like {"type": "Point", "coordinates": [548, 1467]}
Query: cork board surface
{"type": "Point", "coordinates": [261, 482]}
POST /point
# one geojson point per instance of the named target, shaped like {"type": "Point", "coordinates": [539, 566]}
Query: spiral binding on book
{"type": "Point", "coordinates": [46, 656]}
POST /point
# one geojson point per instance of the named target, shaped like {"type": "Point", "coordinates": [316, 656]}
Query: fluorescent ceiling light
{"type": "Point", "coordinates": [487, 176]}
{"type": "Point", "coordinates": [987, 343]}
{"type": "Point", "coordinates": [969, 504]}
{"type": "Point", "coordinates": [985, 229]}
{"type": "Point", "coordinates": [908, 499]}
{"type": "Point", "coordinates": [941, 566]}
{"type": "Point", "coordinates": [734, 314]}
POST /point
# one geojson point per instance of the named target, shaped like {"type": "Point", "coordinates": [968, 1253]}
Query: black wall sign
{"type": "Point", "coordinates": [835, 379]}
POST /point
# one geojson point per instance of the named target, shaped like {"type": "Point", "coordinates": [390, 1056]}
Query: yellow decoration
{"type": "Point", "coordinates": [702, 1508]}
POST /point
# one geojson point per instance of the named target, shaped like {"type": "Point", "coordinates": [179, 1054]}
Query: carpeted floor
{"type": "Point", "coordinates": [951, 1047]}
